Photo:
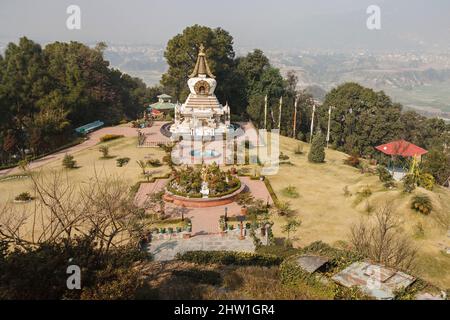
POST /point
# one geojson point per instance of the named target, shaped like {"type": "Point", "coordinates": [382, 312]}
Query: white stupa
{"type": "Point", "coordinates": [202, 114]}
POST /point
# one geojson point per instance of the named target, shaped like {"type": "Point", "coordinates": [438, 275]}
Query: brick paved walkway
{"type": "Point", "coordinates": [204, 220]}
{"type": "Point", "coordinates": [164, 250]}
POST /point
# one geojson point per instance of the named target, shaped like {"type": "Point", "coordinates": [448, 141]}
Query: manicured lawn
{"type": "Point", "coordinates": [89, 161]}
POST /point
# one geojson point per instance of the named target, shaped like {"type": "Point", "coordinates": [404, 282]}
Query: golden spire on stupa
{"type": "Point", "coordinates": [201, 66]}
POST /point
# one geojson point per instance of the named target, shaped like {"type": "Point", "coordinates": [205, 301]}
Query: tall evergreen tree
{"type": "Point", "coordinates": [317, 152]}
{"type": "Point", "coordinates": [181, 54]}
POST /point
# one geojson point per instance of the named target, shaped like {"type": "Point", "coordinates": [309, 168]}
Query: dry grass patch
{"type": "Point", "coordinates": [327, 212]}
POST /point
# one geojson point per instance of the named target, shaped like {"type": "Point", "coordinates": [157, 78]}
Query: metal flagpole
{"type": "Point", "coordinates": [312, 122]}
{"type": "Point", "coordinates": [329, 122]}
{"type": "Point", "coordinates": [265, 112]}
{"type": "Point", "coordinates": [295, 117]}
{"type": "Point", "coordinates": [279, 116]}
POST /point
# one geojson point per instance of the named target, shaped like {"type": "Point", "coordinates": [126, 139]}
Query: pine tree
{"type": "Point", "coordinates": [317, 152]}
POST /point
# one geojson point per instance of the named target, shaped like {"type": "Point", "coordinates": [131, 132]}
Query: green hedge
{"type": "Point", "coordinates": [230, 258]}
{"type": "Point", "coordinates": [135, 188]}
{"type": "Point", "coordinates": [109, 137]}
{"type": "Point", "coordinates": [281, 251]}
{"type": "Point", "coordinates": [272, 193]}
{"type": "Point", "coordinates": [14, 176]}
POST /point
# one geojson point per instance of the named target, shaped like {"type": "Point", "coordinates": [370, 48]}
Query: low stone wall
{"type": "Point", "coordinates": [202, 202]}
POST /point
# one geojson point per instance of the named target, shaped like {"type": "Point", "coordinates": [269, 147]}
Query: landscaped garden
{"type": "Point", "coordinates": [189, 181]}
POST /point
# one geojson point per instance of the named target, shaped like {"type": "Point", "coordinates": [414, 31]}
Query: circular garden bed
{"type": "Point", "coordinates": [186, 185]}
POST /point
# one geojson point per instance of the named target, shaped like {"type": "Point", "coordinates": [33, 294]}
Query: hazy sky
{"type": "Point", "coordinates": [284, 24]}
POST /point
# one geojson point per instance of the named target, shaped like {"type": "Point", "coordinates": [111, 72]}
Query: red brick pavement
{"type": "Point", "coordinates": [205, 220]}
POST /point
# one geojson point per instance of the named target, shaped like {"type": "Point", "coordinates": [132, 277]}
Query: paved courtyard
{"type": "Point", "coordinates": [204, 220]}
{"type": "Point", "coordinates": [164, 250]}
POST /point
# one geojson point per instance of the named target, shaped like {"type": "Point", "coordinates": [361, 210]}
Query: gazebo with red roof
{"type": "Point", "coordinates": [401, 148]}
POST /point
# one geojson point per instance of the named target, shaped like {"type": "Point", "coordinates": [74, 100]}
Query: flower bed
{"type": "Point", "coordinates": [188, 182]}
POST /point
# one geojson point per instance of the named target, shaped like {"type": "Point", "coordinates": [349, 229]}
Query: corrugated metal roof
{"type": "Point", "coordinates": [311, 263]}
{"type": "Point", "coordinates": [163, 105]}
{"type": "Point", "coordinates": [374, 280]}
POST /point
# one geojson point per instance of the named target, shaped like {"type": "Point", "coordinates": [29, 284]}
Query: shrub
{"type": "Point", "coordinates": [422, 203]}
{"type": "Point", "coordinates": [290, 192]}
{"type": "Point", "coordinates": [284, 208]}
{"type": "Point", "coordinates": [291, 225]}
{"type": "Point", "coordinates": [426, 181]}
{"type": "Point", "coordinates": [24, 196]}
{"type": "Point", "coordinates": [68, 161]}
{"type": "Point", "coordinates": [104, 151]}
{"type": "Point", "coordinates": [389, 184]}
{"type": "Point", "coordinates": [353, 161]}
{"type": "Point", "coordinates": [230, 258]}
{"type": "Point", "coordinates": [245, 198]}
{"type": "Point", "coordinates": [283, 156]}
{"type": "Point", "coordinates": [317, 152]}
{"type": "Point", "coordinates": [122, 161]}
{"type": "Point", "coordinates": [301, 136]}
{"type": "Point", "coordinates": [365, 192]}
{"type": "Point", "coordinates": [154, 163]}
{"type": "Point", "coordinates": [409, 183]}
{"type": "Point", "coordinates": [419, 231]}
{"type": "Point", "coordinates": [109, 137]}
{"type": "Point", "coordinates": [383, 174]}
